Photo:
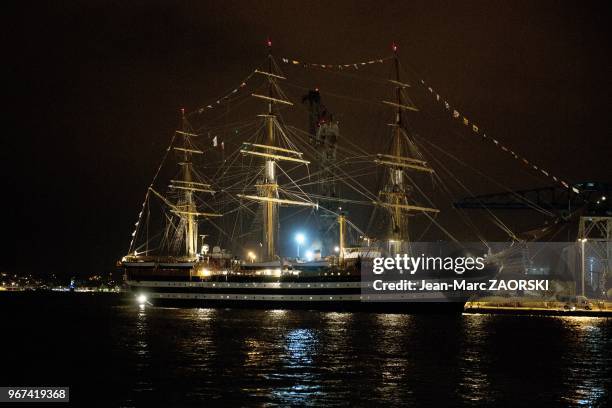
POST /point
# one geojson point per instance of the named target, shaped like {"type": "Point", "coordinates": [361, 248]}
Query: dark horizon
{"type": "Point", "coordinates": [97, 87]}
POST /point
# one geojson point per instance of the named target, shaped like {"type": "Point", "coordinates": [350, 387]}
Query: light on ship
{"type": "Point", "coordinates": [142, 299]}
{"type": "Point", "coordinates": [299, 239]}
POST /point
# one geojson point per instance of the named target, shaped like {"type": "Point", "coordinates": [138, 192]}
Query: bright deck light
{"type": "Point", "coordinates": [142, 299]}
{"type": "Point", "coordinates": [300, 239]}
{"type": "Point", "coordinates": [309, 255]}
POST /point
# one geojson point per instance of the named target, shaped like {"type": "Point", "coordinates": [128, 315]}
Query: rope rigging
{"type": "Point", "coordinates": [231, 178]}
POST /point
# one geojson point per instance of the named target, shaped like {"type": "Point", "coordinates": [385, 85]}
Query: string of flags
{"type": "Point", "coordinates": [354, 65]}
{"type": "Point", "coordinates": [146, 199]}
{"type": "Point", "coordinates": [227, 96]}
{"type": "Point", "coordinates": [476, 130]}
{"type": "Point", "coordinates": [215, 143]}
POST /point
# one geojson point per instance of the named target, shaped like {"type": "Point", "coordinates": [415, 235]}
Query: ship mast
{"type": "Point", "coordinates": [185, 207]}
{"type": "Point", "coordinates": [268, 189]}
{"type": "Point", "coordinates": [394, 195]}
{"type": "Point", "coordinates": [191, 232]}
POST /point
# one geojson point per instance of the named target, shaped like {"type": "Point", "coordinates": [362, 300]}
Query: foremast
{"type": "Point", "coordinates": [186, 187]}
{"type": "Point", "coordinates": [188, 204]}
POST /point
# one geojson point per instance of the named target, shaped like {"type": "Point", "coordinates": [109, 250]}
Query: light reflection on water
{"type": "Point", "coordinates": [302, 358]}
{"type": "Point", "coordinates": [587, 386]}
{"type": "Point", "coordinates": [473, 385]}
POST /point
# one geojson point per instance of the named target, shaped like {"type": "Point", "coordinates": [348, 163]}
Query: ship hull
{"type": "Point", "coordinates": [327, 296]}
{"type": "Point", "coordinates": [355, 306]}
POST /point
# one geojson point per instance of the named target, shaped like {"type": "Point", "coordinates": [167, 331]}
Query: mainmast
{"type": "Point", "coordinates": [395, 193]}
{"type": "Point", "coordinates": [267, 187]}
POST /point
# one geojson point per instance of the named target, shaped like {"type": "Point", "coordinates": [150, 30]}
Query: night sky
{"type": "Point", "coordinates": [95, 87]}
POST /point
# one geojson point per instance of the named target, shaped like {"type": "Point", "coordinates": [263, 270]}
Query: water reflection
{"type": "Point", "coordinates": [301, 358]}
{"type": "Point", "coordinates": [473, 386]}
{"type": "Point", "coordinates": [141, 350]}
{"type": "Point", "coordinates": [588, 363]}
{"type": "Point", "coordinates": [300, 345]}
{"type": "Point", "coordinates": [298, 383]}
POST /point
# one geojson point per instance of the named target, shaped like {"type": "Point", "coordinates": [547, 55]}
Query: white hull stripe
{"type": "Point", "coordinates": [251, 285]}
{"type": "Point", "coordinates": [431, 296]}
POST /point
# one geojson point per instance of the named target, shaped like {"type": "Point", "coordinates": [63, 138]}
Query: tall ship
{"type": "Point", "coordinates": [257, 213]}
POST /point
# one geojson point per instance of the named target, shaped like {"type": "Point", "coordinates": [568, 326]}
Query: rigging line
{"type": "Point", "coordinates": [235, 103]}
{"type": "Point", "coordinates": [206, 127]}
{"type": "Point", "coordinates": [535, 206]}
{"type": "Point", "coordinates": [242, 206]}
{"type": "Point", "coordinates": [341, 200]}
{"type": "Point", "coordinates": [539, 170]}
{"type": "Point", "coordinates": [161, 164]}
{"type": "Point", "coordinates": [495, 219]}
{"type": "Point", "coordinates": [285, 138]}
{"type": "Point", "coordinates": [432, 219]}
{"type": "Point", "coordinates": [525, 200]}
{"type": "Point", "coordinates": [226, 234]}
{"type": "Point", "coordinates": [338, 146]}
{"type": "Point", "coordinates": [344, 73]}
{"type": "Point", "coordinates": [425, 230]}
{"type": "Point", "coordinates": [336, 178]}
{"type": "Point", "coordinates": [505, 188]}
{"type": "Point", "coordinates": [246, 185]}
{"type": "Point", "coordinates": [323, 170]}
{"type": "Point", "coordinates": [296, 196]}
{"type": "Point", "coordinates": [466, 219]}
{"type": "Point", "coordinates": [447, 191]}
{"type": "Point", "coordinates": [359, 172]}
{"type": "Point", "coordinates": [306, 142]}
{"type": "Point", "coordinates": [236, 90]}
{"type": "Point", "coordinates": [363, 63]}
{"type": "Point", "coordinates": [371, 220]}
{"type": "Point", "coordinates": [226, 131]}
{"type": "Point", "coordinates": [289, 177]}
{"type": "Point", "coordinates": [345, 220]}
{"type": "Point", "coordinates": [294, 213]}
{"type": "Point", "coordinates": [367, 195]}
{"type": "Point", "coordinates": [237, 154]}
{"type": "Point", "coordinates": [356, 182]}
{"type": "Point", "coordinates": [333, 94]}
{"type": "Point", "coordinates": [146, 243]}
{"type": "Point", "coordinates": [166, 238]}
{"type": "Point", "coordinates": [231, 131]}
{"type": "Point", "coordinates": [239, 101]}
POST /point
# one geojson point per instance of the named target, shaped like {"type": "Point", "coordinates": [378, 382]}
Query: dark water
{"type": "Point", "coordinates": [113, 353]}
